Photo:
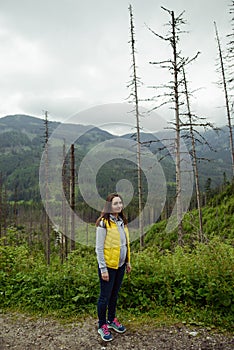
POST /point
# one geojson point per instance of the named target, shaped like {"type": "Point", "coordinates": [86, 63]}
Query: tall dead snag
{"type": "Point", "coordinates": [5, 213]}
{"type": "Point", "coordinates": [227, 102]}
{"type": "Point", "coordinates": [177, 124]}
{"type": "Point", "coordinates": [64, 243]}
{"type": "Point", "coordinates": [1, 205]}
{"type": "Point", "coordinates": [174, 65]}
{"type": "Point", "coordinates": [72, 195]}
{"type": "Point", "coordinates": [134, 87]}
{"type": "Point", "coordinates": [47, 222]}
{"type": "Point", "coordinates": [4, 210]}
{"type": "Point", "coordinates": [194, 158]}
{"type": "Point", "coordinates": [195, 137]}
{"type": "Point", "coordinates": [15, 207]}
{"type": "Point", "coordinates": [230, 57]}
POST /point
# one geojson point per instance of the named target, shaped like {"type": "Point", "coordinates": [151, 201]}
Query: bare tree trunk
{"type": "Point", "coordinates": [174, 66]}
{"type": "Point", "coordinates": [72, 196]}
{"type": "Point", "coordinates": [30, 241]}
{"type": "Point", "coordinates": [137, 114]}
{"type": "Point", "coordinates": [47, 223]}
{"type": "Point", "coordinates": [224, 82]}
{"type": "Point", "coordinates": [194, 161]}
{"type": "Point", "coordinates": [64, 248]}
{"type": "Point", "coordinates": [87, 234]}
{"type": "Point", "coordinates": [1, 205]}
{"type": "Point", "coordinates": [5, 213]}
{"type": "Point", "coordinates": [15, 209]}
{"type": "Point", "coordinates": [177, 136]}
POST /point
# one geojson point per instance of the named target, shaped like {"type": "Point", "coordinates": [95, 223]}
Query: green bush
{"type": "Point", "coordinates": [29, 283]}
{"type": "Point", "coordinates": [200, 279]}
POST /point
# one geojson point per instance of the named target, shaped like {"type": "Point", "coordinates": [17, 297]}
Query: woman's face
{"type": "Point", "coordinates": [116, 205]}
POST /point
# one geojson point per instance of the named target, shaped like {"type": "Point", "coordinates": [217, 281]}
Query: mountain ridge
{"type": "Point", "coordinates": [22, 141]}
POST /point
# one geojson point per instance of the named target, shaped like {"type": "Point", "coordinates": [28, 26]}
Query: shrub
{"type": "Point", "coordinates": [200, 279]}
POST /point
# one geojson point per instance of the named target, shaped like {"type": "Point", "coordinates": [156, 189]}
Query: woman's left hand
{"type": "Point", "coordinates": [128, 268]}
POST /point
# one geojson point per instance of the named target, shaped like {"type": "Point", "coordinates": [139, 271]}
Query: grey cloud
{"type": "Point", "coordinates": [82, 55]}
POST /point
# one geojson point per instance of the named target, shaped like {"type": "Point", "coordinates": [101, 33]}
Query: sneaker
{"type": "Point", "coordinates": [105, 333]}
{"type": "Point", "coordinates": [118, 327]}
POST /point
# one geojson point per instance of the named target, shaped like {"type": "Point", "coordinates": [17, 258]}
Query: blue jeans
{"type": "Point", "coordinates": [109, 294]}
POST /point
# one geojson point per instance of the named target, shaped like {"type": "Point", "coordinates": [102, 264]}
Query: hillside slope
{"type": "Point", "coordinates": [22, 142]}
{"type": "Point", "coordinates": [218, 221]}
{"type": "Point", "coordinates": [21, 146]}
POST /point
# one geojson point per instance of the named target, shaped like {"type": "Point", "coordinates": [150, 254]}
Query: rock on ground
{"type": "Point", "coordinates": [22, 332]}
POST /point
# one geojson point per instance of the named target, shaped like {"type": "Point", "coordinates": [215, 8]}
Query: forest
{"type": "Point", "coordinates": [182, 236]}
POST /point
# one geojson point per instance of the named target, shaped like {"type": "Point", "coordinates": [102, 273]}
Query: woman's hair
{"type": "Point", "coordinates": [105, 214]}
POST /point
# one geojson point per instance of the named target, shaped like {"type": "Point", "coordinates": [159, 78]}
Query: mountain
{"type": "Point", "coordinates": [212, 149]}
{"type": "Point", "coordinates": [218, 153]}
{"type": "Point", "coordinates": [22, 144]}
{"type": "Point", "coordinates": [22, 139]}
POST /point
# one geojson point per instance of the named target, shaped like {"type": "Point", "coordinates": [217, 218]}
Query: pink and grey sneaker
{"type": "Point", "coordinates": [118, 327]}
{"type": "Point", "coordinates": [105, 333]}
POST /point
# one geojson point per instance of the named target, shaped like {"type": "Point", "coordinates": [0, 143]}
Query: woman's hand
{"type": "Point", "coordinates": [128, 268]}
{"type": "Point", "coordinates": [105, 276]}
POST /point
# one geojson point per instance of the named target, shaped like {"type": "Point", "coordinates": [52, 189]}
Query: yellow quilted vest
{"type": "Point", "coordinates": [112, 245]}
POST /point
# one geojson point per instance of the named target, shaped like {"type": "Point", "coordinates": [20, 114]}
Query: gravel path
{"type": "Point", "coordinates": [22, 332]}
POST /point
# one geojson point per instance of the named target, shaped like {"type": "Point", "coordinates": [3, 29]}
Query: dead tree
{"type": "Point", "coordinates": [47, 222]}
{"type": "Point", "coordinates": [195, 137]}
{"type": "Point", "coordinates": [72, 195]}
{"type": "Point", "coordinates": [134, 87]}
{"type": "Point", "coordinates": [177, 125]}
{"type": "Point", "coordinates": [1, 205]}
{"type": "Point", "coordinates": [15, 208]}
{"type": "Point", "coordinates": [4, 210]}
{"type": "Point", "coordinates": [230, 57]}
{"type": "Point", "coordinates": [194, 158]}
{"type": "Point", "coordinates": [5, 213]}
{"type": "Point", "coordinates": [174, 65]}
{"type": "Point", "coordinates": [64, 243]}
{"type": "Point", "coordinates": [226, 95]}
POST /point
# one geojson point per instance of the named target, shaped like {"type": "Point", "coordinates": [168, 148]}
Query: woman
{"type": "Point", "coordinates": [113, 255]}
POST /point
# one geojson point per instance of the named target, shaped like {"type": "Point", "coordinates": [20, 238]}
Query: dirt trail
{"type": "Point", "coordinates": [22, 332]}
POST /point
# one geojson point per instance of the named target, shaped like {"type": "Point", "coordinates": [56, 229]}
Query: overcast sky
{"type": "Point", "coordinates": [67, 56]}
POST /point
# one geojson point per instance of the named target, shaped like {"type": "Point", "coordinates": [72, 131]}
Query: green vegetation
{"type": "Point", "coordinates": [21, 146]}
{"type": "Point", "coordinates": [192, 284]}
{"type": "Point", "coordinates": [218, 221]}
{"type": "Point", "coordinates": [168, 284]}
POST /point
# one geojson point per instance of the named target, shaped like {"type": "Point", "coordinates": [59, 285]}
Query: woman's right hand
{"type": "Point", "coordinates": [105, 276]}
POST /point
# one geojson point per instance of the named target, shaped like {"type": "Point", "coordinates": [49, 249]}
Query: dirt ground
{"type": "Point", "coordinates": [22, 332]}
